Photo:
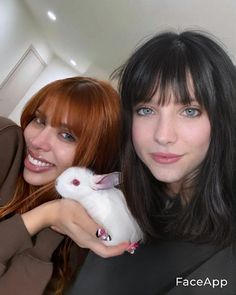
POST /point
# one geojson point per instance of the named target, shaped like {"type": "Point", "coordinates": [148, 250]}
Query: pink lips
{"type": "Point", "coordinates": [165, 158]}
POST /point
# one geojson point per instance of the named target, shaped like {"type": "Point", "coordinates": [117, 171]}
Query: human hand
{"type": "Point", "coordinates": [68, 217]}
{"type": "Point", "coordinates": [71, 219]}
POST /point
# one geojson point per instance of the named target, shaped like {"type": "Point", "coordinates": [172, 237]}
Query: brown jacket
{"type": "Point", "coordinates": [11, 152]}
{"type": "Point", "coordinates": [25, 266]}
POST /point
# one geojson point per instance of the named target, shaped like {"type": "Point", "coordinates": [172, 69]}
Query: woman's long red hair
{"type": "Point", "coordinates": [92, 111]}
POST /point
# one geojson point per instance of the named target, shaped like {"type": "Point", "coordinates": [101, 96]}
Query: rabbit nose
{"type": "Point", "coordinates": [75, 182]}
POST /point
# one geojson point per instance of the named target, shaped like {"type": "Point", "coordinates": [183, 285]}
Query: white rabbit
{"type": "Point", "coordinates": [104, 203]}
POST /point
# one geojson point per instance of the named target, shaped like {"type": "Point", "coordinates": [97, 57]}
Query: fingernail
{"type": "Point", "coordinates": [103, 235]}
{"type": "Point", "coordinates": [132, 248]}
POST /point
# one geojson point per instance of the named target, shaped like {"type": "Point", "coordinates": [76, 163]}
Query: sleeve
{"type": "Point", "coordinates": [25, 267]}
{"type": "Point", "coordinates": [25, 262]}
{"type": "Point", "coordinates": [26, 276]}
{"type": "Point", "coordinates": [14, 239]}
{"type": "Point", "coordinates": [11, 153]}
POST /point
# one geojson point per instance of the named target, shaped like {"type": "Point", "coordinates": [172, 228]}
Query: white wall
{"type": "Point", "coordinates": [56, 69]}
{"type": "Point", "coordinates": [17, 32]}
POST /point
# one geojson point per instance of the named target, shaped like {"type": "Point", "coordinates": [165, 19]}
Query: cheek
{"type": "Point", "coordinates": [205, 134]}
{"type": "Point", "coordinates": [140, 137]}
{"type": "Point", "coordinates": [199, 137]}
{"type": "Point", "coordinates": [136, 135]}
{"type": "Point", "coordinates": [204, 145]}
{"type": "Point", "coordinates": [30, 133]}
{"type": "Point", "coordinates": [65, 156]}
{"type": "Point", "coordinates": [138, 130]}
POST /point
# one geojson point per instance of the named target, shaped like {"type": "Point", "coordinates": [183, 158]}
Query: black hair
{"type": "Point", "coordinates": [166, 62]}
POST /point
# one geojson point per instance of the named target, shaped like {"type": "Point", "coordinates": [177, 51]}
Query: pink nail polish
{"type": "Point", "coordinates": [103, 235]}
{"type": "Point", "coordinates": [132, 247]}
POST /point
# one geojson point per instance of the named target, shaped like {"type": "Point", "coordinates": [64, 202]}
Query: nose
{"type": "Point", "coordinates": [42, 140]}
{"type": "Point", "coordinates": [165, 130]}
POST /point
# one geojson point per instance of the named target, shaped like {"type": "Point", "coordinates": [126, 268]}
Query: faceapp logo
{"type": "Point", "coordinates": [213, 283]}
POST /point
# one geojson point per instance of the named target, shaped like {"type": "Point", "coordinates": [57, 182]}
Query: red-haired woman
{"type": "Point", "coordinates": [74, 121]}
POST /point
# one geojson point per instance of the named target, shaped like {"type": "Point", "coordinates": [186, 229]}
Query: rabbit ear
{"type": "Point", "coordinates": [105, 181]}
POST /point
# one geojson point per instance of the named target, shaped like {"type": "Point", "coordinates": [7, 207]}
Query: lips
{"type": "Point", "coordinates": [165, 158]}
{"type": "Point", "coordinates": [36, 164]}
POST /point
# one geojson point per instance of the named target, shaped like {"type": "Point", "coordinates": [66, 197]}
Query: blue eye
{"type": "Point", "coordinates": [192, 112]}
{"type": "Point", "coordinates": [68, 137]}
{"type": "Point", "coordinates": [144, 111]}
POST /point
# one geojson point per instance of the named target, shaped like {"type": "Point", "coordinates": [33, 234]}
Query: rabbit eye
{"type": "Point", "coordinates": [75, 182]}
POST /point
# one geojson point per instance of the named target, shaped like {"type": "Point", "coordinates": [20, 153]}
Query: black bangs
{"type": "Point", "coordinates": [185, 66]}
{"type": "Point", "coordinates": [165, 68]}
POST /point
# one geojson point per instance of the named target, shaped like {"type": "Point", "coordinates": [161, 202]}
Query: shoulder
{"type": "Point", "coordinates": [11, 137]}
{"type": "Point", "coordinates": [7, 125]}
{"type": "Point", "coordinates": [12, 148]}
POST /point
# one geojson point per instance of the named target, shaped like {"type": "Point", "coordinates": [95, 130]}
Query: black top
{"type": "Point", "coordinates": [154, 268]}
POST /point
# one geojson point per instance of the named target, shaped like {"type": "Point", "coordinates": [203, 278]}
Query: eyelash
{"type": "Point", "coordinates": [195, 109]}
{"type": "Point", "coordinates": [140, 111]}
{"type": "Point", "coordinates": [71, 137]}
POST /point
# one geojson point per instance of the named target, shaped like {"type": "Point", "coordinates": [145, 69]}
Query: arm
{"type": "Point", "coordinates": [22, 262]}
{"type": "Point", "coordinates": [25, 266]}
{"type": "Point", "coordinates": [70, 218]}
{"type": "Point", "coordinates": [14, 239]}
{"type": "Point", "coordinates": [65, 216]}
{"type": "Point", "coordinates": [30, 268]}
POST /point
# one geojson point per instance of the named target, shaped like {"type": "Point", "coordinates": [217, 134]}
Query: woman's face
{"type": "Point", "coordinates": [49, 151]}
{"type": "Point", "coordinates": [171, 140]}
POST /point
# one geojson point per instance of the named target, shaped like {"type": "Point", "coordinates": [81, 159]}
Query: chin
{"type": "Point", "coordinates": [167, 178]}
{"type": "Point", "coordinates": [37, 179]}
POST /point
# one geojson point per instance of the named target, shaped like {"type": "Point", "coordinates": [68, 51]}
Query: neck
{"type": "Point", "coordinates": [174, 189]}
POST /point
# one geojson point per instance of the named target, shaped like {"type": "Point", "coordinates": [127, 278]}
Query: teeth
{"type": "Point", "coordinates": [37, 162]}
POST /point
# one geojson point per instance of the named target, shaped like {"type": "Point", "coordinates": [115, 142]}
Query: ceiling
{"type": "Point", "coordinates": [100, 34]}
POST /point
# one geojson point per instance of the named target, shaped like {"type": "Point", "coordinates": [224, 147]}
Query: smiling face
{"type": "Point", "coordinates": [171, 140]}
{"type": "Point", "coordinates": [50, 150]}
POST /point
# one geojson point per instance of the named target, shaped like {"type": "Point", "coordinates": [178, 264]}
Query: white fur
{"type": "Point", "coordinates": [106, 206]}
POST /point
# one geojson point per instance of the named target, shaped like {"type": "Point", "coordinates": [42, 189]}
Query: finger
{"type": "Point", "coordinates": [89, 226]}
{"type": "Point", "coordinates": [84, 220]}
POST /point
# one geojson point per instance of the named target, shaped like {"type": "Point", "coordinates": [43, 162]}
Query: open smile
{"type": "Point", "coordinates": [36, 164]}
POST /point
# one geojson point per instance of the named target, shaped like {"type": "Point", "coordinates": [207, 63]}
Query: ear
{"type": "Point", "coordinates": [105, 181]}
